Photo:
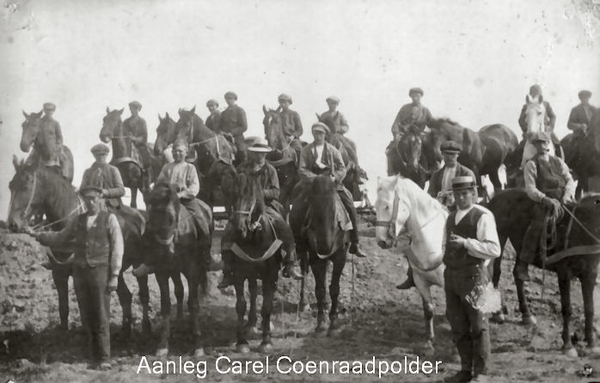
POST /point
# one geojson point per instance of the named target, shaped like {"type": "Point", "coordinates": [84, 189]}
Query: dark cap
{"type": "Point", "coordinates": [231, 95]}
{"type": "Point", "coordinates": [415, 90]}
{"type": "Point", "coordinates": [584, 94]}
{"type": "Point", "coordinates": [320, 127]}
{"type": "Point", "coordinates": [90, 190]}
{"type": "Point", "coordinates": [50, 106]}
{"type": "Point", "coordinates": [135, 104]}
{"type": "Point", "coordinates": [285, 97]}
{"type": "Point", "coordinates": [100, 148]}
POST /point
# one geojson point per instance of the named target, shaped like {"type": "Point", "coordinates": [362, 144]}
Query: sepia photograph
{"type": "Point", "coordinates": [286, 191]}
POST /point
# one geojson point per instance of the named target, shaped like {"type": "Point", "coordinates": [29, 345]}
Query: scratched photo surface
{"type": "Point", "coordinates": [474, 60]}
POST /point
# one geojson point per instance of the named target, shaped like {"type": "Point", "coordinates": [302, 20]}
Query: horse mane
{"type": "Point", "coordinates": [437, 122]}
{"type": "Point", "coordinates": [322, 193]}
{"type": "Point", "coordinates": [409, 184]}
{"type": "Point", "coordinates": [62, 196]}
{"type": "Point", "coordinates": [246, 184]}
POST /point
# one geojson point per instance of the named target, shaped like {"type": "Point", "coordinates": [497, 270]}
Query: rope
{"type": "Point", "coordinates": [579, 223]}
{"type": "Point", "coordinates": [79, 208]}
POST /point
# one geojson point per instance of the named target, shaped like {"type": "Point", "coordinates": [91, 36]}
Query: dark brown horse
{"type": "Point", "coordinates": [579, 237]}
{"type": "Point", "coordinates": [44, 191]}
{"type": "Point", "coordinates": [483, 152]}
{"type": "Point", "coordinates": [131, 171]}
{"type": "Point", "coordinates": [29, 138]}
{"type": "Point", "coordinates": [165, 135]}
{"type": "Point", "coordinates": [406, 157]}
{"type": "Point", "coordinates": [324, 237]}
{"type": "Point", "coordinates": [173, 247]}
{"type": "Point", "coordinates": [258, 256]}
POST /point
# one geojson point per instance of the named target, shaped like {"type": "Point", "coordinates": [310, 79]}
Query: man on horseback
{"type": "Point", "coordinates": [320, 157]}
{"type": "Point", "coordinates": [440, 187]}
{"type": "Point", "coordinates": [549, 120]}
{"type": "Point", "coordinates": [233, 121]}
{"type": "Point", "coordinates": [414, 113]}
{"type": "Point", "coordinates": [471, 242]}
{"type": "Point", "coordinates": [135, 128]}
{"type": "Point", "coordinates": [212, 121]}
{"type": "Point", "coordinates": [265, 174]}
{"type": "Point", "coordinates": [548, 182]}
{"type": "Point", "coordinates": [580, 118]}
{"type": "Point", "coordinates": [50, 137]}
{"type": "Point", "coordinates": [291, 123]}
{"type": "Point", "coordinates": [106, 177]}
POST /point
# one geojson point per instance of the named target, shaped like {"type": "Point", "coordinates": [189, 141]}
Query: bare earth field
{"type": "Point", "coordinates": [381, 322]}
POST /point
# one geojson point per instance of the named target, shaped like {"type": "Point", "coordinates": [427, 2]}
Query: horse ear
{"type": "Point", "coordinates": [180, 111]}
{"type": "Point", "coordinates": [107, 110]}
{"type": "Point", "coordinates": [121, 111]}
{"type": "Point", "coordinates": [159, 118]}
{"type": "Point", "coordinates": [318, 116]}
{"type": "Point", "coordinates": [193, 110]}
{"type": "Point", "coordinates": [25, 114]}
{"type": "Point", "coordinates": [39, 114]}
{"type": "Point", "coordinates": [264, 108]}
{"type": "Point", "coordinates": [167, 115]}
{"type": "Point", "coordinates": [16, 161]}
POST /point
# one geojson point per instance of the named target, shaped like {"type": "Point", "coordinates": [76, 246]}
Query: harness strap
{"type": "Point", "coordinates": [577, 250]}
{"type": "Point", "coordinates": [266, 255]}
{"type": "Point", "coordinates": [580, 223]}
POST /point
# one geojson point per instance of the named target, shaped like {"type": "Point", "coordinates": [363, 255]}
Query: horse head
{"type": "Point", "coordinates": [163, 214]}
{"type": "Point", "coordinates": [111, 125]}
{"type": "Point", "coordinates": [188, 126]}
{"type": "Point", "coordinates": [392, 211]}
{"type": "Point", "coordinates": [31, 126]}
{"type": "Point", "coordinates": [274, 129]}
{"type": "Point", "coordinates": [25, 195]}
{"type": "Point", "coordinates": [323, 205]}
{"type": "Point", "coordinates": [535, 114]}
{"type": "Point", "coordinates": [165, 134]}
{"type": "Point", "coordinates": [248, 205]}
{"type": "Point", "coordinates": [410, 148]}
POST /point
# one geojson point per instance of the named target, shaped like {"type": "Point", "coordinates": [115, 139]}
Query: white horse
{"type": "Point", "coordinates": [535, 117]}
{"type": "Point", "coordinates": [402, 206]}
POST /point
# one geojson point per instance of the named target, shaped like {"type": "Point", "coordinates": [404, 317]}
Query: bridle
{"type": "Point", "coordinates": [391, 224]}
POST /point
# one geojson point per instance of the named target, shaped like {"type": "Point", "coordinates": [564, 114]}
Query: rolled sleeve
{"type": "Point", "coordinates": [119, 188]}
{"type": "Point", "coordinates": [569, 181]}
{"type": "Point", "coordinates": [192, 182]}
{"type": "Point", "coordinates": [486, 245]}
{"type": "Point", "coordinates": [116, 244]}
{"type": "Point", "coordinates": [530, 175]}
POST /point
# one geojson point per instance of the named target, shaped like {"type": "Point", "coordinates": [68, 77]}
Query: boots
{"type": "Point", "coordinates": [356, 250]}
{"type": "Point", "coordinates": [292, 270]}
{"type": "Point", "coordinates": [409, 282]}
{"type": "Point", "coordinates": [227, 279]}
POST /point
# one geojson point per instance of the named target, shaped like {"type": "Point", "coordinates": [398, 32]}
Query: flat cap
{"type": "Point", "coordinates": [90, 190]}
{"type": "Point", "coordinates": [539, 137]}
{"type": "Point", "coordinates": [212, 101]}
{"type": "Point", "coordinates": [100, 148]}
{"type": "Point", "coordinates": [285, 97]}
{"type": "Point", "coordinates": [415, 90]}
{"type": "Point", "coordinates": [231, 95]}
{"type": "Point", "coordinates": [584, 94]}
{"type": "Point", "coordinates": [333, 99]}
{"type": "Point", "coordinates": [260, 145]}
{"type": "Point", "coordinates": [49, 105]}
{"type": "Point", "coordinates": [451, 147]}
{"type": "Point", "coordinates": [535, 87]}
{"type": "Point", "coordinates": [135, 104]}
{"type": "Point", "coordinates": [464, 182]}
{"type": "Point", "coordinates": [320, 127]}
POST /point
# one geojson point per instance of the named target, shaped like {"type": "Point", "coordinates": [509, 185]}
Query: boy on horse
{"type": "Point", "coordinates": [213, 120]}
{"type": "Point", "coordinates": [414, 113]}
{"type": "Point", "coordinates": [233, 121]}
{"type": "Point", "coordinates": [548, 182]}
{"type": "Point", "coordinates": [48, 144]}
{"type": "Point", "coordinates": [104, 176]}
{"type": "Point", "coordinates": [265, 174]}
{"type": "Point", "coordinates": [135, 128]}
{"type": "Point", "coordinates": [471, 242]}
{"type": "Point", "coordinates": [291, 123]}
{"type": "Point", "coordinates": [320, 157]}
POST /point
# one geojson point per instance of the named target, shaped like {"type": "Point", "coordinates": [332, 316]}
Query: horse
{"type": "Point", "coordinates": [173, 247]}
{"type": "Point", "coordinates": [131, 170]}
{"type": "Point", "coordinates": [483, 152]}
{"type": "Point", "coordinates": [214, 154]}
{"type": "Point", "coordinates": [535, 121]}
{"type": "Point", "coordinates": [325, 237]}
{"type": "Point", "coordinates": [29, 138]}
{"type": "Point", "coordinates": [406, 158]}
{"type": "Point", "coordinates": [258, 256]}
{"type": "Point", "coordinates": [575, 254]}
{"type": "Point", "coordinates": [165, 136]}
{"type": "Point", "coordinates": [402, 206]}
{"type": "Point", "coordinates": [44, 191]}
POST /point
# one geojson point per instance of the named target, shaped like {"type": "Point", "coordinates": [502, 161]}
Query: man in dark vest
{"type": "Point", "coordinates": [96, 267]}
{"type": "Point", "coordinates": [472, 241]}
{"type": "Point", "coordinates": [265, 174]}
{"type": "Point", "coordinates": [233, 121]}
{"type": "Point", "coordinates": [549, 183]}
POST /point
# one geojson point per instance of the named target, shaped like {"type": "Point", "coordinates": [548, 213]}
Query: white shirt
{"type": "Point", "coordinates": [449, 174]}
{"type": "Point", "coordinates": [486, 245]}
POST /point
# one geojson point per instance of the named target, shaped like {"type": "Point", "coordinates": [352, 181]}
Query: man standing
{"type": "Point", "coordinates": [290, 122]}
{"type": "Point", "coordinates": [96, 268]}
{"type": "Point", "coordinates": [265, 174]}
{"type": "Point", "coordinates": [411, 114]}
{"type": "Point", "coordinates": [320, 157]}
{"type": "Point", "coordinates": [472, 241]}
{"type": "Point", "coordinates": [212, 121]}
{"type": "Point", "coordinates": [106, 177]}
{"type": "Point", "coordinates": [548, 182]}
{"type": "Point", "coordinates": [135, 128]}
{"type": "Point", "coordinates": [233, 121]}
{"type": "Point", "coordinates": [50, 137]}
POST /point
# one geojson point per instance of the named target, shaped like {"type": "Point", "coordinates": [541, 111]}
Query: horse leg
{"type": "Point", "coordinates": [319, 269]}
{"type": "Point", "coordinates": [251, 324]}
{"type": "Point", "coordinates": [495, 180]}
{"type": "Point", "coordinates": [588, 282]}
{"type": "Point", "coordinates": [240, 308]}
{"type": "Point", "coordinates": [304, 268]}
{"type": "Point", "coordinates": [194, 307]}
{"type": "Point", "coordinates": [60, 275]}
{"type": "Point", "coordinates": [268, 288]}
{"type": "Point", "coordinates": [564, 284]}
{"type": "Point", "coordinates": [178, 287]}
{"type": "Point", "coordinates": [133, 202]}
{"type": "Point", "coordinates": [496, 265]}
{"type": "Point", "coordinates": [125, 299]}
{"type": "Point", "coordinates": [165, 311]}
{"type": "Point", "coordinates": [423, 288]}
{"type": "Point", "coordinates": [334, 289]}
{"type": "Point", "coordinates": [145, 300]}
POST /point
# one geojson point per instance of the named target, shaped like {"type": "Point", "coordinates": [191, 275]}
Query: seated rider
{"type": "Point", "coordinates": [258, 168]}
{"type": "Point", "coordinates": [549, 183]}
{"type": "Point", "coordinates": [106, 177]}
{"type": "Point", "coordinates": [320, 157]}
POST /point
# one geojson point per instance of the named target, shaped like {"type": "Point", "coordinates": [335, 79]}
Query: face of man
{"type": "Point", "coordinates": [48, 112]}
{"type": "Point", "coordinates": [464, 198]}
{"type": "Point", "coordinates": [230, 101]}
{"type": "Point", "coordinates": [535, 91]}
{"type": "Point", "coordinates": [585, 100]}
{"type": "Point", "coordinates": [212, 108]}
{"type": "Point", "coordinates": [257, 157]}
{"type": "Point", "coordinates": [416, 98]}
{"type": "Point", "coordinates": [92, 203]}
{"type": "Point", "coordinates": [450, 158]}
{"type": "Point", "coordinates": [319, 137]}
{"type": "Point", "coordinates": [332, 105]}
{"type": "Point", "coordinates": [285, 105]}
{"type": "Point", "coordinates": [179, 152]}
{"type": "Point", "coordinates": [101, 158]}
{"type": "Point", "coordinates": [134, 110]}
{"type": "Point", "coordinates": [542, 147]}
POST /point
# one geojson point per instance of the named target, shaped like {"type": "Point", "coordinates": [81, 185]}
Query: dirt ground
{"type": "Point", "coordinates": [380, 321]}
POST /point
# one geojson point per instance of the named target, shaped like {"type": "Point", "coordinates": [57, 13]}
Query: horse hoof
{"type": "Point", "coordinates": [529, 320]}
{"type": "Point", "coordinates": [570, 352]}
{"type": "Point", "coordinates": [251, 331]}
{"type": "Point", "coordinates": [146, 327]}
{"type": "Point", "coordinates": [63, 327]}
{"type": "Point", "coordinates": [243, 348]}
{"type": "Point", "coordinates": [162, 352]}
{"type": "Point", "coordinates": [265, 348]}
{"type": "Point", "coordinates": [199, 352]}
{"type": "Point", "coordinates": [498, 317]}
{"type": "Point", "coordinates": [305, 308]}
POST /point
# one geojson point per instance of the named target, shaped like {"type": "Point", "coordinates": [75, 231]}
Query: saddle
{"type": "Point", "coordinates": [341, 216]}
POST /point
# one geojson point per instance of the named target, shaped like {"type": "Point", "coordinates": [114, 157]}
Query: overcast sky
{"type": "Point", "coordinates": [474, 59]}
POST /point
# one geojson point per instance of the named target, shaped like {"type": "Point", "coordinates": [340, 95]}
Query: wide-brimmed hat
{"type": "Point", "coordinates": [415, 90]}
{"type": "Point", "coordinates": [285, 97]}
{"type": "Point", "coordinates": [260, 145]}
{"type": "Point", "coordinates": [539, 137]}
{"type": "Point", "coordinates": [463, 182]}
{"type": "Point", "coordinates": [451, 147]}
{"type": "Point", "coordinates": [100, 148]}
{"type": "Point", "coordinates": [90, 190]}
{"type": "Point", "coordinates": [320, 127]}
{"type": "Point", "coordinates": [50, 106]}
